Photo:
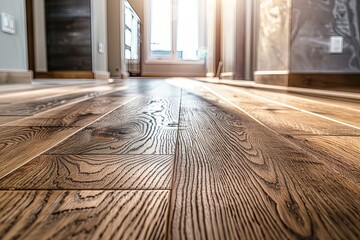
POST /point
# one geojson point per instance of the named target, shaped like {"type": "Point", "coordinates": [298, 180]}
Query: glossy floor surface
{"type": "Point", "coordinates": [177, 159]}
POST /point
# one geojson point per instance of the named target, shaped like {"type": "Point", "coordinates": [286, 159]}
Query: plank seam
{"type": "Point", "coordinates": [70, 135]}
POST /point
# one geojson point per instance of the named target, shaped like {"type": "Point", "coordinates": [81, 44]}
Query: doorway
{"type": "Point", "coordinates": [59, 38]}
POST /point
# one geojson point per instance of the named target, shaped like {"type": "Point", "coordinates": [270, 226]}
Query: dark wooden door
{"type": "Point", "coordinates": [68, 35]}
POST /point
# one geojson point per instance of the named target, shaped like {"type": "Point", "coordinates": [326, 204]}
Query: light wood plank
{"type": "Point", "coordinates": [148, 125]}
{"type": "Point", "coordinates": [36, 106]}
{"type": "Point", "coordinates": [284, 120]}
{"type": "Point", "coordinates": [347, 114]}
{"type": "Point", "coordinates": [149, 88]}
{"type": "Point", "coordinates": [83, 214]}
{"type": "Point", "coordinates": [8, 119]}
{"type": "Point", "coordinates": [92, 172]}
{"type": "Point", "coordinates": [340, 152]}
{"type": "Point", "coordinates": [18, 145]}
{"type": "Point", "coordinates": [30, 103]}
{"type": "Point", "coordinates": [235, 179]}
{"type": "Point", "coordinates": [77, 114]}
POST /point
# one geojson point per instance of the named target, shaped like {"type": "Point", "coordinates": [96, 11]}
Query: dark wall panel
{"type": "Point", "coordinates": [68, 31]}
{"type": "Point", "coordinates": [313, 23]}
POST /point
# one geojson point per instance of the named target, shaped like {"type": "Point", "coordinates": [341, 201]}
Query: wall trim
{"type": "Point", "coordinates": [66, 74]}
{"type": "Point", "coordinates": [227, 75]}
{"type": "Point", "coordinates": [324, 80]}
{"type": "Point", "coordinates": [171, 74]}
{"type": "Point", "coordinates": [309, 80]}
{"type": "Point", "coordinates": [14, 76]}
{"type": "Point", "coordinates": [280, 78]}
{"type": "Point", "coordinates": [102, 75]}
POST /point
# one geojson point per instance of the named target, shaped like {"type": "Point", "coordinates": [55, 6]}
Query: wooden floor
{"type": "Point", "coordinates": [177, 159]}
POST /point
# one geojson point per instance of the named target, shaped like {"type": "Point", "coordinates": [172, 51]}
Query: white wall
{"type": "Point", "coordinates": [228, 22]}
{"type": "Point", "coordinates": [13, 48]}
{"type": "Point", "coordinates": [40, 36]}
{"type": "Point", "coordinates": [114, 35]}
{"type": "Point", "coordinates": [99, 34]}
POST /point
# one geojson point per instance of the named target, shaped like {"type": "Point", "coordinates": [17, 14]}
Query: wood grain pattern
{"type": "Point", "coordinates": [92, 172]}
{"type": "Point", "coordinates": [285, 120]}
{"type": "Point", "coordinates": [8, 119]}
{"type": "Point", "coordinates": [18, 145]}
{"type": "Point", "coordinates": [149, 88]}
{"type": "Point", "coordinates": [77, 114]}
{"type": "Point", "coordinates": [235, 179]}
{"type": "Point", "coordinates": [147, 125]}
{"type": "Point", "coordinates": [50, 89]}
{"type": "Point", "coordinates": [36, 106]}
{"type": "Point", "coordinates": [340, 152]}
{"type": "Point", "coordinates": [83, 214]}
{"type": "Point", "coordinates": [324, 107]}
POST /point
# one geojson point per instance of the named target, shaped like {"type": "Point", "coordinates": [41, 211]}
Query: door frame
{"type": "Point", "coordinates": [31, 52]}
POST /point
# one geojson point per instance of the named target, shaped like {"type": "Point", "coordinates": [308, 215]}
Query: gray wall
{"type": "Point", "coordinates": [13, 48]}
{"type": "Point", "coordinates": [273, 38]}
{"type": "Point", "coordinates": [313, 23]}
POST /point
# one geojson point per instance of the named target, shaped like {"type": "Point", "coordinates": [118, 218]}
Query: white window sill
{"type": "Point", "coordinates": [174, 62]}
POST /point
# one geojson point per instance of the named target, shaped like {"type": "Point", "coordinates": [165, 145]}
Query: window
{"type": "Point", "coordinates": [175, 29]}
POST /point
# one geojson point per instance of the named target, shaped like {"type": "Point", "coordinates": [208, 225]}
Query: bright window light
{"type": "Point", "coordinates": [161, 27]}
{"type": "Point", "coordinates": [188, 29]}
{"type": "Point", "coordinates": [175, 24]}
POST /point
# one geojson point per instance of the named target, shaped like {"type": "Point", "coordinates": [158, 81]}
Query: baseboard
{"type": "Point", "coordinates": [171, 74]}
{"type": "Point", "coordinates": [324, 80]}
{"type": "Point", "coordinates": [66, 74]}
{"type": "Point", "coordinates": [280, 78]}
{"type": "Point", "coordinates": [309, 80]}
{"type": "Point", "coordinates": [102, 75]}
{"type": "Point", "coordinates": [14, 76]}
{"type": "Point", "coordinates": [227, 75]}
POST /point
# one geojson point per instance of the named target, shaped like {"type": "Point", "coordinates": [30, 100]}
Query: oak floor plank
{"type": "Point", "coordinates": [281, 119]}
{"type": "Point", "coordinates": [235, 179]}
{"type": "Point", "coordinates": [83, 214]}
{"type": "Point", "coordinates": [147, 125]}
{"type": "Point", "coordinates": [149, 88]}
{"type": "Point", "coordinates": [36, 106]}
{"type": "Point", "coordinates": [76, 114]}
{"type": "Point", "coordinates": [92, 172]}
{"type": "Point", "coordinates": [347, 114]}
{"type": "Point", "coordinates": [8, 119]}
{"type": "Point", "coordinates": [18, 145]}
{"type": "Point", "coordinates": [24, 104]}
{"type": "Point", "coordinates": [38, 92]}
{"type": "Point", "coordinates": [340, 152]}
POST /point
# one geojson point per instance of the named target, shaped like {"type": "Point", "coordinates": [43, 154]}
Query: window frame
{"type": "Point", "coordinates": [172, 59]}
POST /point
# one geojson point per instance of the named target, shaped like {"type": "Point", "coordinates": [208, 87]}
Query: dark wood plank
{"type": "Point", "coordinates": [236, 179]}
{"type": "Point", "coordinates": [18, 145]}
{"type": "Point", "coordinates": [147, 125]}
{"type": "Point", "coordinates": [83, 214]}
{"type": "Point", "coordinates": [92, 172]}
{"type": "Point", "coordinates": [77, 114]}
